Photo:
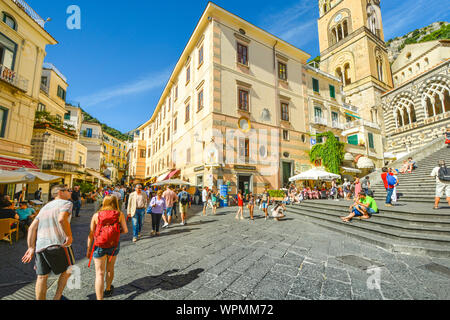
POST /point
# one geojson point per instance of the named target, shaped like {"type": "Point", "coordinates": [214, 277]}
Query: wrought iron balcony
{"type": "Point", "coordinates": [320, 120]}
{"type": "Point", "coordinates": [337, 125]}
{"type": "Point", "coordinates": [45, 88]}
{"type": "Point", "coordinates": [350, 107]}
{"type": "Point", "coordinates": [359, 123]}
{"type": "Point", "coordinates": [61, 166]}
{"type": "Point", "coordinates": [13, 78]}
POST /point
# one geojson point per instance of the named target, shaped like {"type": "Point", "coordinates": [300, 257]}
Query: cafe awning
{"type": "Point", "coordinates": [39, 177]}
{"type": "Point", "coordinates": [351, 170]}
{"type": "Point", "coordinates": [13, 177]}
{"type": "Point", "coordinates": [98, 176]}
{"type": "Point", "coordinates": [163, 177]}
{"type": "Point", "coordinates": [352, 115]}
{"type": "Point", "coordinates": [9, 164]}
{"type": "Point", "coordinates": [173, 174]}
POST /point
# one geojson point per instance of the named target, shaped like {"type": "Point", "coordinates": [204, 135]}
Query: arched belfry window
{"type": "Point", "coordinates": [404, 111]}
{"type": "Point", "coordinates": [373, 22]}
{"type": "Point", "coordinates": [436, 98]}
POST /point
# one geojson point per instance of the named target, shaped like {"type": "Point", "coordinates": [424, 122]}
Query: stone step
{"type": "Point", "coordinates": [439, 230]}
{"type": "Point", "coordinates": [422, 213]}
{"type": "Point", "coordinates": [386, 241]}
{"type": "Point", "coordinates": [409, 199]}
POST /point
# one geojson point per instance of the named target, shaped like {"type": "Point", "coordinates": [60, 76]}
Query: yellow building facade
{"type": "Point", "coordinates": [115, 156]}
{"type": "Point", "coordinates": [234, 110]}
{"type": "Point", "coordinates": [23, 41]}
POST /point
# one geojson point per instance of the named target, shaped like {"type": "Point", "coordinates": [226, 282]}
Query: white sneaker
{"type": "Point", "coordinates": [166, 225]}
{"type": "Point", "coordinates": [183, 224]}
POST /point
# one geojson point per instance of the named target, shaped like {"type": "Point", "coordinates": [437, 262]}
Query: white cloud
{"type": "Point", "coordinates": [148, 83]}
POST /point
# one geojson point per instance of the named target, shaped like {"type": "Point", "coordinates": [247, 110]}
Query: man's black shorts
{"type": "Point", "coordinates": [56, 259]}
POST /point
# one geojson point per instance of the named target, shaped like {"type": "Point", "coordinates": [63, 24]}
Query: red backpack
{"type": "Point", "coordinates": [107, 234]}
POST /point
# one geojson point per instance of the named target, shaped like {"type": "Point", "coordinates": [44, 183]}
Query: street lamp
{"type": "Point", "coordinates": [46, 136]}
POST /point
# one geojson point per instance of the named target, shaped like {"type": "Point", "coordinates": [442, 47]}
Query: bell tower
{"type": "Point", "coordinates": [352, 48]}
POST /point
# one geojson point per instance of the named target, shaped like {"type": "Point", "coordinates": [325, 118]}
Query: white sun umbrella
{"type": "Point", "coordinates": [175, 182]}
{"type": "Point", "coordinates": [315, 174]}
{"type": "Point", "coordinates": [39, 177]}
{"type": "Point", "coordinates": [14, 177]}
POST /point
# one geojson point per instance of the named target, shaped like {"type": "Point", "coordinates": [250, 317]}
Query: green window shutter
{"type": "Point", "coordinates": [332, 92]}
{"type": "Point", "coordinates": [315, 85]}
{"type": "Point", "coordinates": [371, 144]}
{"type": "Point", "coordinates": [353, 140]}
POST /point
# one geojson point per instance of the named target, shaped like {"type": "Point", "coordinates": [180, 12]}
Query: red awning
{"type": "Point", "coordinates": [10, 164]}
{"type": "Point", "coordinates": [172, 174]}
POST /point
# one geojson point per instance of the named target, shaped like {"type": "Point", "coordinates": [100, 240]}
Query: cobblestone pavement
{"type": "Point", "coordinates": [217, 257]}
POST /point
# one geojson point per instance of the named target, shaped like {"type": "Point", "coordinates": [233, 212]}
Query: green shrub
{"type": "Point", "coordinates": [277, 193]}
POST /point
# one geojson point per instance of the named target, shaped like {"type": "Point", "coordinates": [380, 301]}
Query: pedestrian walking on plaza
{"type": "Point", "coordinates": [197, 195]}
{"type": "Point", "coordinates": [205, 194]}
{"type": "Point", "coordinates": [158, 205]}
{"type": "Point", "coordinates": [137, 203]}
{"type": "Point", "coordinates": [251, 205]}
{"type": "Point", "coordinates": [104, 239]}
{"type": "Point", "coordinates": [215, 201]}
{"type": "Point", "coordinates": [118, 195]}
{"type": "Point", "coordinates": [185, 200]}
{"type": "Point", "coordinates": [50, 238]}
{"type": "Point", "coordinates": [171, 197]}
{"type": "Point", "coordinates": [265, 201]}
{"type": "Point", "coordinates": [442, 176]}
{"type": "Point", "coordinates": [241, 206]}
{"type": "Point", "coordinates": [347, 189]}
{"type": "Point", "coordinates": [97, 197]}
{"type": "Point", "coordinates": [76, 200]}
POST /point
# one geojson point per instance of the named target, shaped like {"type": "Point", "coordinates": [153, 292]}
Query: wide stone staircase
{"type": "Point", "coordinates": [418, 186]}
{"type": "Point", "coordinates": [410, 227]}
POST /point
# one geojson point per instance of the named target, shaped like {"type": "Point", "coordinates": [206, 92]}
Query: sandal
{"type": "Point", "coordinates": [436, 208]}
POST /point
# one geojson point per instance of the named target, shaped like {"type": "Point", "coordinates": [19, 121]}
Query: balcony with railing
{"type": "Point", "coordinates": [337, 125]}
{"type": "Point", "coordinates": [361, 123]}
{"type": "Point", "coordinates": [61, 166]}
{"type": "Point", "coordinates": [45, 87]}
{"type": "Point", "coordinates": [85, 135]}
{"type": "Point", "coordinates": [11, 77]}
{"type": "Point", "coordinates": [320, 121]}
{"type": "Point", "coordinates": [350, 107]}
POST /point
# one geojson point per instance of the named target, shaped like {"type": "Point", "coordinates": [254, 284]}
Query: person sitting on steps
{"type": "Point", "coordinates": [363, 208]}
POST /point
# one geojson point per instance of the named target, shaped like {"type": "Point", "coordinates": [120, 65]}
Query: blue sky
{"type": "Point", "coordinates": [119, 62]}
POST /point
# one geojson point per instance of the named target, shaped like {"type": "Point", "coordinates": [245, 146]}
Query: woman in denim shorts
{"type": "Point", "coordinates": [105, 259]}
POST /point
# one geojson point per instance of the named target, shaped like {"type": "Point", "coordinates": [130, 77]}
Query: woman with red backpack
{"type": "Point", "coordinates": [104, 244]}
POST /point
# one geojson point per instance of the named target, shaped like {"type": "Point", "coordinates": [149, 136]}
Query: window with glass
{"type": "Point", "coordinates": [243, 100]}
{"type": "Point", "coordinates": [41, 107]}
{"type": "Point", "coordinates": [315, 85]}
{"type": "Point", "coordinates": [318, 112]}
{"type": "Point", "coordinates": [67, 116]}
{"type": "Point", "coordinates": [242, 53]}
{"type": "Point", "coordinates": [175, 124]}
{"type": "Point", "coordinates": [188, 75]}
{"type": "Point", "coordinates": [59, 155]}
{"type": "Point", "coordinates": [200, 101]}
{"type": "Point", "coordinates": [3, 121]}
{"type": "Point", "coordinates": [371, 142]}
{"type": "Point", "coordinates": [8, 50]}
{"type": "Point", "coordinates": [176, 93]}
{"type": "Point", "coordinates": [282, 71]}
{"type": "Point", "coordinates": [9, 21]}
{"type": "Point", "coordinates": [142, 153]}
{"type": "Point", "coordinates": [200, 56]}
{"type": "Point", "coordinates": [244, 147]}
{"type": "Point", "coordinates": [285, 135]}
{"type": "Point", "coordinates": [168, 133]}
{"type": "Point", "coordinates": [284, 111]}
{"type": "Point", "coordinates": [61, 93]}
{"type": "Point", "coordinates": [332, 92]}
{"type": "Point", "coordinates": [335, 117]}
{"type": "Point", "coordinates": [187, 113]}
{"type": "Point", "coordinates": [89, 132]}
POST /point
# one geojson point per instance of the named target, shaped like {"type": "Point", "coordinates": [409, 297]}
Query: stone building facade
{"type": "Point", "coordinates": [417, 111]}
